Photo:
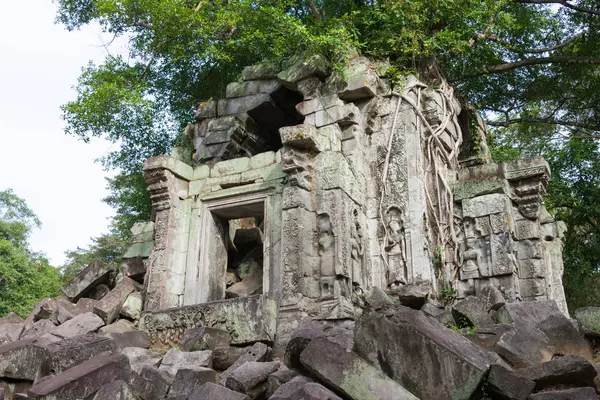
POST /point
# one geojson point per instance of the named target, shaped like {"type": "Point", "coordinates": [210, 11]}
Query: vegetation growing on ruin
{"type": "Point", "coordinates": [531, 66]}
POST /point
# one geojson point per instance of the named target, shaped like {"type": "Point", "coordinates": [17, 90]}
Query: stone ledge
{"type": "Point", "coordinates": [178, 168]}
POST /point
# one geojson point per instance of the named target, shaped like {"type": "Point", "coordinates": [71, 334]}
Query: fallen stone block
{"type": "Point", "coordinates": [315, 65]}
{"type": "Point", "coordinates": [138, 358]}
{"type": "Point", "coordinates": [71, 352]}
{"type": "Point", "coordinates": [438, 312]}
{"type": "Point", "coordinates": [258, 352]}
{"type": "Point", "coordinates": [77, 326]}
{"type": "Point", "coordinates": [130, 339]}
{"type": "Point", "coordinates": [94, 274]}
{"type": "Point", "coordinates": [565, 338]}
{"type": "Point", "coordinates": [135, 268]}
{"type": "Point", "coordinates": [571, 369]}
{"type": "Point", "coordinates": [361, 84]}
{"type": "Point", "coordinates": [524, 346]}
{"type": "Point", "coordinates": [98, 292]}
{"type": "Point", "coordinates": [569, 394]}
{"type": "Point", "coordinates": [305, 136]}
{"type": "Point", "coordinates": [151, 384]}
{"type": "Point", "coordinates": [349, 373]}
{"type": "Point", "coordinates": [117, 390]}
{"type": "Point", "coordinates": [83, 380]}
{"type": "Point", "coordinates": [132, 308]}
{"type": "Point", "coordinates": [175, 360]}
{"type": "Point", "coordinates": [204, 338]}
{"type": "Point", "coordinates": [456, 367]}
{"type": "Point", "coordinates": [224, 357]}
{"type": "Point", "coordinates": [249, 375]}
{"type": "Point", "coordinates": [413, 295]}
{"type": "Point", "coordinates": [291, 390]}
{"type": "Point", "coordinates": [38, 329]}
{"type": "Point", "coordinates": [58, 310]}
{"type": "Point", "coordinates": [109, 307]}
{"type": "Point", "coordinates": [120, 326]}
{"type": "Point", "coordinates": [212, 391]}
{"type": "Point", "coordinates": [309, 330]}
{"type": "Point", "coordinates": [11, 328]}
{"type": "Point", "coordinates": [26, 359]}
{"type": "Point", "coordinates": [188, 379]}
{"type": "Point", "coordinates": [377, 298]}
{"type": "Point", "coordinates": [278, 378]}
{"type": "Point", "coordinates": [492, 296]}
{"type": "Point", "coordinates": [504, 384]}
{"type": "Point", "coordinates": [472, 311]}
{"type": "Point", "coordinates": [84, 305]}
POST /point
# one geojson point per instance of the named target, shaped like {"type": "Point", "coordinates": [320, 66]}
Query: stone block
{"type": "Point", "coordinates": [262, 160]}
{"type": "Point", "coordinates": [414, 295]}
{"type": "Point", "coordinates": [151, 384]}
{"type": "Point", "coordinates": [230, 167]}
{"type": "Point", "coordinates": [132, 308]}
{"type": "Point", "coordinates": [260, 71]}
{"type": "Point", "coordinates": [109, 307]}
{"type": "Point", "coordinates": [26, 359]}
{"type": "Point", "coordinates": [258, 352]}
{"type": "Point", "coordinates": [71, 352]}
{"type": "Point", "coordinates": [472, 311]}
{"type": "Point", "coordinates": [135, 268]}
{"type": "Point", "coordinates": [204, 338]}
{"type": "Point", "coordinates": [225, 357]}
{"type": "Point", "coordinates": [250, 377]}
{"type": "Point", "coordinates": [377, 298]}
{"type": "Point", "coordinates": [117, 390]}
{"type": "Point", "coordinates": [98, 292]}
{"type": "Point", "coordinates": [201, 172]}
{"type": "Point", "coordinates": [206, 109]}
{"type": "Point", "coordinates": [79, 325]}
{"type": "Point", "coordinates": [83, 380]}
{"type": "Point", "coordinates": [349, 373]}
{"type": "Point", "coordinates": [94, 274]}
{"type": "Point", "coordinates": [532, 287]}
{"type": "Point", "coordinates": [175, 360]}
{"type": "Point", "coordinates": [360, 85]}
{"type": "Point", "coordinates": [455, 369]}
{"type": "Point", "coordinates": [526, 229]}
{"type": "Point", "coordinates": [212, 391]}
{"type": "Point", "coordinates": [11, 328]}
{"type": "Point", "coordinates": [119, 326]}
{"type": "Point", "coordinates": [315, 65]}
{"type": "Point", "coordinates": [240, 89]}
{"type": "Point", "coordinates": [524, 346]}
{"type": "Point", "coordinates": [85, 305]}
{"type": "Point", "coordinates": [37, 329]}
{"type": "Point", "coordinates": [567, 370]}
{"type": "Point", "coordinates": [485, 205]}
{"type": "Point", "coordinates": [304, 136]}
{"type": "Point", "coordinates": [188, 379]}
{"type": "Point", "coordinates": [504, 384]}
{"type": "Point", "coordinates": [139, 358]}
{"type": "Point", "coordinates": [569, 394]}
{"type": "Point", "coordinates": [278, 378]}
{"type": "Point", "coordinates": [130, 339]}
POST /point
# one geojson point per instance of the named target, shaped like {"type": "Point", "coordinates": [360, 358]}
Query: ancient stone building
{"type": "Point", "coordinates": [308, 188]}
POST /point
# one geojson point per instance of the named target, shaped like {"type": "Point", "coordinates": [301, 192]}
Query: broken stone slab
{"type": "Point", "coordinates": [26, 359]}
{"type": "Point", "coordinates": [11, 328]}
{"type": "Point", "coordinates": [377, 298]}
{"type": "Point", "coordinates": [362, 84]}
{"type": "Point", "coordinates": [504, 384]}
{"type": "Point", "coordinates": [176, 359]}
{"type": "Point", "coordinates": [83, 380]}
{"type": "Point", "coordinates": [472, 311]}
{"type": "Point", "coordinates": [571, 369]}
{"type": "Point", "coordinates": [492, 296]}
{"type": "Point", "coordinates": [139, 357]}
{"type": "Point", "coordinates": [73, 351]}
{"type": "Point", "coordinates": [569, 394]}
{"type": "Point", "coordinates": [303, 388]}
{"type": "Point", "coordinates": [260, 71]}
{"type": "Point", "coordinates": [119, 326]}
{"type": "Point", "coordinates": [84, 305]}
{"type": "Point", "coordinates": [213, 391]}
{"type": "Point", "coordinates": [413, 295]}
{"type": "Point", "coordinates": [57, 310]}
{"type": "Point", "coordinates": [524, 345]}
{"type": "Point", "coordinates": [188, 379]}
{"type": "Point", "coordinates": [77, 326]}
{"type": "Point", "coordinates": [132, 308]}
{"type": "Point", "coordinates": [349, 373]}
{"type": "Point", "coordinates": [240, 89]}
{"type": "Point", "coordinates": [315, 65]}
{"type": "Point", "coordinates": [224, 357]}
{"type": "Point", "coordinates": [38, 329]}
{"type": "Point", "coordinates": [258, 352]}
{"type": "Point", "coordinates": [117, 390]}
{"type": "Point", "coordinates": [278, 378]}
{"type": "Point", "coordinates": [135, 268]}
{"type": "Point", "coordinates": [109, 307]}
{"type": "Point", "coordinates": [305, 136]}
{"type": "Point", "coordinates": [249, 375]}
{"type": "Point", "coordinates": [151, 384]}
{"type": "Point", "coordinates": [130, 339]}
{"type": "Point", "coordinates": [204, 338]}
{"type": "Point", "coordinates": [309, 330]}
{"type": "Point", "coordinates": [456, 366]}
{"type": "Point", "coordinates": [94, 274]}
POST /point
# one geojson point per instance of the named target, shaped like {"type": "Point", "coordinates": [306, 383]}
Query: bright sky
{"type": "Point", "coordinates": [55, 173]}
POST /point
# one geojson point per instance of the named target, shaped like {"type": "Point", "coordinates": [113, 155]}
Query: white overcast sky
{"type": "Point", "coordinates": [55, 173]}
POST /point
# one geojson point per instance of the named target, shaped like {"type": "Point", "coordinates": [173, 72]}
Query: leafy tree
{"type": "Point", "coordinates": [25, 276]}
{"type": "Point", "coordinates": [530, 65]}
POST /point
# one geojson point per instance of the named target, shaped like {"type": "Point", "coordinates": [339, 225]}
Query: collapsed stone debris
{"type": "Point", "coordinates": [328, 237]}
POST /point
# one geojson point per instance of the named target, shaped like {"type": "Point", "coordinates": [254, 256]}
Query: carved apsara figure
{"type": "Point", "coordinates": [395, 246]}
{"type": "Point", "coordinates": [469, 261]}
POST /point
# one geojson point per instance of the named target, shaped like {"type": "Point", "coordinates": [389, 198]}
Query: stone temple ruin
{"type": "Point", "coordinates": [308, 189]}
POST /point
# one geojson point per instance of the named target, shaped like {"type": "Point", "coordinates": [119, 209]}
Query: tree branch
{"type": "Point", "coordinates": [549, 121]}
{"type": "Point", "coordinates": [314, 9]}
{"type": "Point", "coordinates": [493, 38]}
{"type": "Point", "coordinates": [493, 69]}
{"type": "Point", "coordinates": [562, 3]}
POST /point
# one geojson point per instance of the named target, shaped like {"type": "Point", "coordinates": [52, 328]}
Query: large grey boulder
{"type": "Point", "coordinates": [472, 311]}
{"type": "Point", "coordinates": [26, 359]}
{"type": "Point", "coordinates": [397, 340]}
{"type": "Point", "coordinates": [504, 384]}
{"type": "Point", "coordinates": [117, 390]}
{"type": "Point", "coordinates": [212, 391]}
{"type": "Point", "coordinates": [139, 357]}
{"type": "Point", "coordinates": [175, 360]}
{"type": "Point", "coordinates": [94, 274]}
{"type": "Point", "coordinates": [249, 376]}
{"type": "Point", "coordinates": [11, 328]}
{"type": "Point", "coordinates": [309, 330]}
{"type": "Point", "coordinates": [571, 370]}
{"type": "Point", "coordinates": [413, 295]}
{"type": "Point", "coordinates": [350, 374]}
{"type": "Point", "coordinates": [524, 345]}
{"type": "Point", "coordinates": [258, 352]}
{"type": "Point", "coordinates": [83, 380]}
{"type": "Point", "coordinates": [110, 306]}
{"type": "Point", "coordinates": [569, 394]}
{"type": "Point", "coordinates": [188, 379]}
{"type": "Point", "coordinates": [77, 326]}
{"type": "Point", "coordinates": [204, 338]}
